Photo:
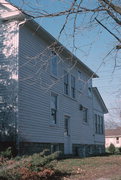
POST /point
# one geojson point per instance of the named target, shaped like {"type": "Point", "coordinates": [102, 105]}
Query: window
{"type": "Point", "coordinates": [66, 84]}
{"type": "Point", "coordinates": [89, 88]}
{"type": "Point", "coordinates": [72, 86]}
{"type": "Point", "coordinates": [85, 111]}
{"type": "Point", "coordinates": [53, 108]}
{"type": "Point", "coordinates": [90, 92]}
{"type": "Point", "coordinates": [96, 127]}
{"type": "Point", "coordinates": [54, 63]}
{"type": "Point", "coordinates": [117, 140]}
{"type": "Point", "coordinates": [66, 125]}
{"type": "Point", "coordinates": [80, 80]}
{"type": "Point", "coordinates": [54, 148]}
{"type": "Point", "coordinates": [99, 124]}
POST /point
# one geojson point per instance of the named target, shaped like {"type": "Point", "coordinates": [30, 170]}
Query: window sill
{"type": "Point", "coordinates": [74, 99]}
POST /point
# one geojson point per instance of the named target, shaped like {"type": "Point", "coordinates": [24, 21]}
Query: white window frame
{"type": "Point", "coordinates": [54, 72]}
{"type": "Point", "coordinates": [80, 81]}
{"type": "Point", "coordinates": [66, 84]}
{"type": "Point", "coordinates": [85, 120]}
{"type": "Point", "coordinates": [67, 130]}
{"type": "Point", "coordinates": [54, 148]}
{"type": "Point", "coordinates": [102, 125]}
{"type": "Point", "coordinates": [54, 109]}
{"type": "Point", "coordinates": [89, 91]}
{"type": "Point", "coordinates": [96, 124]}
{"type": "Point", "coordinates": [99, 124]}
{"type": "Point", "coordinates": [89, 88]}
{"type": "Point", "coordinates": [73, 88]}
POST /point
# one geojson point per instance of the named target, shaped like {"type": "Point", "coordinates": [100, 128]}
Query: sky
{"type": "Point", "coordinates": [93, 44]}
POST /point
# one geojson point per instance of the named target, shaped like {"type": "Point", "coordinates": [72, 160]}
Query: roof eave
{"type": "Point", "coordinates": [50, 39]}
{"type": "Point", "coordinates": [101, 100]}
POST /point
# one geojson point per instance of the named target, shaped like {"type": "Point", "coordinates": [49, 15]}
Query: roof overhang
{"type": "Point", "coordinates": [95, 90]}
{"type": "Point", "coordinates": [11, 12]}
{"type": "Point", "coordinates": [18, 14]}
{"type": "Point", "coordinates": [51, 40]}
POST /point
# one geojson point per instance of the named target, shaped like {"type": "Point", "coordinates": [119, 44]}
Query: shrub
{"type": "Point", "coordinates": [112, 148]}
{"type": "Point", "coordinates": [38, 161]}
{"type": "Point", "coordinates": [7, 153]}
{"type": "Point", "coordinates": [35, 167]}
{"type": "Point", "coordinates": [119, 149]}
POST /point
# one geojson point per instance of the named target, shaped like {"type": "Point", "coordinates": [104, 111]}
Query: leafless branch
{"type": "Point", "coordinates": [108, 30]}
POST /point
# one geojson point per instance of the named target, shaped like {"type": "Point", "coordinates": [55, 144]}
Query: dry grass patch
{"type": "Point", "coordinates": [92, 168]}
{"type": "Point", "coordinates": [47, 167]}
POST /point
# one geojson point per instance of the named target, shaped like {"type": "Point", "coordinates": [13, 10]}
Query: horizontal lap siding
{"type": "Point", "coordinates": [80, 133]}
{"type": "Point", "coordinates": [99, 138]}
{"type": "Point", "coordinates": [34, 102]}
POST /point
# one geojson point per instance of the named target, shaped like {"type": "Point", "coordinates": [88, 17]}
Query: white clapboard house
{"type": "Point", "coordinates": [46, 96]}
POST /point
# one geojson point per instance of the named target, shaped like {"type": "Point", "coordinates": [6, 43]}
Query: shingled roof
{"type": "Point", "coordinates": [113, 132]}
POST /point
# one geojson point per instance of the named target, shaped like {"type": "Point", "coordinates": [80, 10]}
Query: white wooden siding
{"type": "Point", "coordinates": [99, 138]}
{"type": "Point", "coordinates": [34, 102]}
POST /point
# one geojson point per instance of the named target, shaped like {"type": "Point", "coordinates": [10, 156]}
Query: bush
{"type": "Point", "coordinates": [112, 148]}
{"type": "Point", "coordinates": [35, 167]}
{"type": "Point", "coordinates": [119, 149]}
{"type": "Point", "coordinates": [40, 160]}
{"type": "Point", "coordinates": [7, 153]}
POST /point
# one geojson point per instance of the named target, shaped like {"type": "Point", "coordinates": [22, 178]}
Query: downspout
{"type": "Point", "coordinates": [17, 114]}
{"type": "Point", "coordinates": [93, 116]}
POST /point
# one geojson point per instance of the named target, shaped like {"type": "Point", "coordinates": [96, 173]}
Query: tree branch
{"type": "Point", "coordinates": [113, 6]}
{"type": "Point", "coordinates": [114, 17]}
{"type": "Point", "coordinates": [66, 12]}
{"type": "Point", "coordinates": [108, 30]}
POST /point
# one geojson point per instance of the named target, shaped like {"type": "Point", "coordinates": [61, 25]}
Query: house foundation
{"type": "Point", "coordinates": [86, 150]}
{"type": "Point", "coordinates": [34, 147]}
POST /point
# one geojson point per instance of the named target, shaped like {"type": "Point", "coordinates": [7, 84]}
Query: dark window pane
{"type": "Point", "coordinates": [66, 85]}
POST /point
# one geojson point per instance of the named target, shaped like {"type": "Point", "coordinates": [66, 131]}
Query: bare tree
{"type": "Point", "coordinates": [106, 13]}
{"type": "Point", "coordinates": [83, 16]}
{"type": "Point", "coordinates": [113, 119]}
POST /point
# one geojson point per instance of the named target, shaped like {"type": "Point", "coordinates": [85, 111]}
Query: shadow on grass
{"type": "Point", "coordinates": [3, 178]}
{"type": "Point", "coordinates": [58, 175]}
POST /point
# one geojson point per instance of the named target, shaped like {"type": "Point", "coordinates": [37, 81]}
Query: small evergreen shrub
{"type": "Point", "coordinates": [112, 148]}
{"type": "Point", "coordinates": [119, 149]}
{"type": "Point", "coordinates": [34, 167]}
{"type": "Point", "coordinates": [40, 160]}
{"type": "Point", "coordinates": [7, 153]}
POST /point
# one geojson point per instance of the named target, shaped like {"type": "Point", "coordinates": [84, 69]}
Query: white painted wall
{"type": "Point", "coordinates": [98, 138]}
{"type": "Point", "coordinates": [35, 86]}
{"type": "Point", "coordinates": [34, 100]}
{"type": "Point", "coordinates": [8, 73]}
{"type": "Point", "coordinates": [112, 139]}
